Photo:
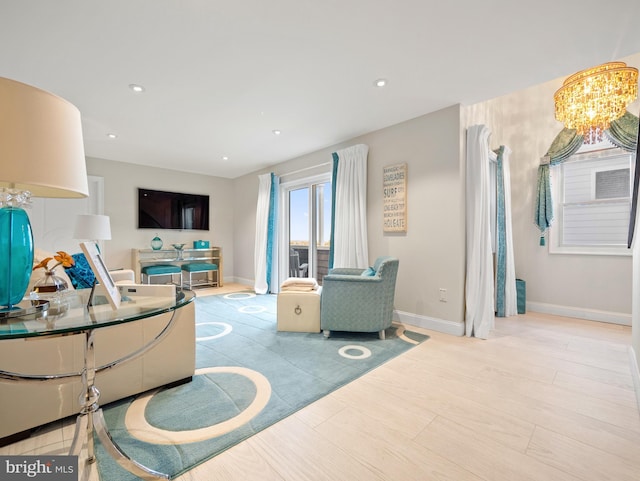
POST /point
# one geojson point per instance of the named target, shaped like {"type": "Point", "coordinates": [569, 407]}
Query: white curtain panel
{"type": "Point", "coordinates": [510, 293]}
{"type": "Point", "coordinates": [262, 227]}
{"type": "Point", "coordinates": [480, 309]}
{"type": "Point", "coordinates": [350, 236]}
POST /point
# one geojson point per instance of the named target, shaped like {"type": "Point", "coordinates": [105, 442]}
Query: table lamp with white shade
{"type": "Point", "coordinates": [92, 227]}
{"type": "Point", "coordinates": [41, 155]}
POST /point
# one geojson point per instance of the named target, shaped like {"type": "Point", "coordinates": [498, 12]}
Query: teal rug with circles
{"type": "Point", "coordinates": [248, 376]}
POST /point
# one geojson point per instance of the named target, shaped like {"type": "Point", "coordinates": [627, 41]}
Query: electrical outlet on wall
{"type": "Point", "coordinates": [443, 294]}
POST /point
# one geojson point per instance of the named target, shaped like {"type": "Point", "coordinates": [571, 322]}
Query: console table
{"type": "Point", "coordinates": [148, 257]}
{"type": "Point", "coordinates": [77, 319]}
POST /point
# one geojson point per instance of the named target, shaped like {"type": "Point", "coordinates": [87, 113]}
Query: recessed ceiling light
{"type": "Point", "coordinates": [380, 82]}
{"type": "Point", "coordinates": [225, 157]}
{"type": "Point", "coordinates": [112, 136]}
{"type": "Point", "coordinates": [276, 132]}
{"type": "Point", "coordinates": [136, 88]}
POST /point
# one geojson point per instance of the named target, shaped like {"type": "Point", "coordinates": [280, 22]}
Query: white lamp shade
{"type": "Point", "coordinates": [92, 227]}
{"type": "Point", "coordinates": [41, 145]}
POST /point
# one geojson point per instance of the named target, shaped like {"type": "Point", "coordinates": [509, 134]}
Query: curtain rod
{"type": "Point", "coordinates": [306, 168]}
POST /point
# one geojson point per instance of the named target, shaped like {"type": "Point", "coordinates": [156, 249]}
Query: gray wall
{"type": "Point", "coordinates": [588, 285]}
{"type": "Point", "coordinates": [431, 253]}
{"type": "Point", "coordinates": [121, 181]}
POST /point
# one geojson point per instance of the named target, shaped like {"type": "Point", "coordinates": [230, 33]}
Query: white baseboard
{"type": "Point", "coordinates": [581, 313]}
{"type": "Point", "coordinates": [635, 374]}
{"type": "Point", "coordinates": [440, 325]}
{"type": "Point", "coordinates": [240, 280]}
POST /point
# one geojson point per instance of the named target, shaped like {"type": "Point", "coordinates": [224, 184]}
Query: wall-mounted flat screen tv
{"type": "Point", "coordinates": [172, 210]}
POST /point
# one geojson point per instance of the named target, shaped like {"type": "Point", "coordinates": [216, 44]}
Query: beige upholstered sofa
{"type": "Point", "coordinates": [25, 405]}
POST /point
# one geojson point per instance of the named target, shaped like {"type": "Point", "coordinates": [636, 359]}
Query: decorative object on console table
{"type": "Point", "coordinates": [200, 244]}
{"type": "Point", "coordinates": [41, 155]}
{"type": "Point", "coordinates": [179, 248]}
{"type": "Point", "coordinates": [156, 243]}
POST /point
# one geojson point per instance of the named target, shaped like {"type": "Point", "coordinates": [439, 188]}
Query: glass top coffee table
{"type": "Point", "coordinates": [71, 316]}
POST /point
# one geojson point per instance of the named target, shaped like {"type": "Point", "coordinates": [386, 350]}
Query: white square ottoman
{"type": "Point", "coordinates": [299, 311]}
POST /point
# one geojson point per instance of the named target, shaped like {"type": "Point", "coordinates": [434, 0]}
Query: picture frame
{"type": "Point", "coordinates": [101, 272]}
{"type": "Point", "coordinates": [394, 196]}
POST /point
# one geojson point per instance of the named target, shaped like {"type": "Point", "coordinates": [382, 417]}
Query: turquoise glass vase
{"type": "Point", "coordinates": [16, 255]}
{"type": "Point", "coordinates": [156, 243]}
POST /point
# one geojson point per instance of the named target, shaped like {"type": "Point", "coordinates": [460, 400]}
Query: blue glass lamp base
{"type": "Point", "coordinates": [16, 255]}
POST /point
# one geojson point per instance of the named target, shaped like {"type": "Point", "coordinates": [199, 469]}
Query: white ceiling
{"type": "Point", "coordinates": [220, 76]}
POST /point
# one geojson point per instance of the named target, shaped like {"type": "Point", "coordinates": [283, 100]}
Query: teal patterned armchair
{"type": "Point", "coordinates": [359, 300]}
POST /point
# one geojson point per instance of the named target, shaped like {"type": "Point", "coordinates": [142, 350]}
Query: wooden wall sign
{"type": "Point", "coordinates": [394, 188]}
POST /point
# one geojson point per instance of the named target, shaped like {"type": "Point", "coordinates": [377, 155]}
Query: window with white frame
{"type": "Point", "coordinates": [592, 201]}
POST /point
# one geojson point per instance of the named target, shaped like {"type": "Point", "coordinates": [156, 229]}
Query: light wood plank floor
{"type": "Point", "coordinates": [546, 398]}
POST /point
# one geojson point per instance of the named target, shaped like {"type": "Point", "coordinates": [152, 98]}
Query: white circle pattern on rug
{"type": "Point", "coordinates": [227, 330]}
{"type": "Point", "coordinates": [364, 352]}
{"type": "Point", "coordinates": [400, 329]}
{"type": "Point", "coordinates": [236, 296]}
{"type": "Point", "coordinates": [252, 309]}
{"type": "Point", "coordinates": [139, 428]}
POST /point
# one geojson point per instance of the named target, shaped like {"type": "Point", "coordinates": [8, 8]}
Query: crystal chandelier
{"type": "Point", "coordinates": [589, 100]}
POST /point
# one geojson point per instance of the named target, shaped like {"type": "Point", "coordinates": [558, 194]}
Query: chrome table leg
{"type": "Point", "coordinates": [91, 420]}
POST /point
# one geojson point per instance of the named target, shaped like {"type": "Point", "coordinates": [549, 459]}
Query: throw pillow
{"type": "Point", "coordinates": [368, 272]}
{"type": "Point", "coordinates": [81, 275]}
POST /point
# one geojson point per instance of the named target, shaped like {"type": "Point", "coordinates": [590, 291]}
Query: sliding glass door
{"type": "Point", "coordinates": [307, 207]}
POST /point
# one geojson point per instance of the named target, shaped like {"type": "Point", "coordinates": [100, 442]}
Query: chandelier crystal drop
{"type": "Point", "coordinates": [591, 99]}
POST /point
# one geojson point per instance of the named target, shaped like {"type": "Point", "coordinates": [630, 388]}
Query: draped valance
{"type": "Point", "coordinates": [622, 133]}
